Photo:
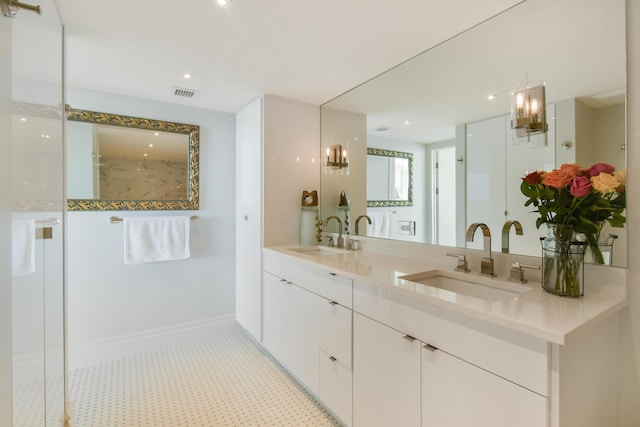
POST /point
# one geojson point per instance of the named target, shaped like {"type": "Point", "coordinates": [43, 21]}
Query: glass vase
{"type": "Point", "coordinates": [562, 261]}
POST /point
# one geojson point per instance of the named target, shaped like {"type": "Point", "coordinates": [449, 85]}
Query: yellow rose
{"type": "Point", "coordinates": [621, 175]}
{"type": "Point", "coordinates": [605, 182]}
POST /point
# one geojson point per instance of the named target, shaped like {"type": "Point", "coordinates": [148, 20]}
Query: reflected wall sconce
{"type": "Point", "coordinates": [528, 112]}
{"type": "Point", "coordinates": [336, 159]}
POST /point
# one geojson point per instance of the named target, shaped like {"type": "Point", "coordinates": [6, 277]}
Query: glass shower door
{"type": "Point", "coordinates": [37, 218]}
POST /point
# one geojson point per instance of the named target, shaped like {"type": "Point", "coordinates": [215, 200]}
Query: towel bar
{"type": "Point", "coordinates": [117, 219]}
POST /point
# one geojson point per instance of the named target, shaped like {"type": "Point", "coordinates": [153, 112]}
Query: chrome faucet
{"type": "Point", "coordinates": [358, 220]}
{"type": "Point", "coordinates": [340, 242]}
{"type": "Point", "coordinates": [505, 234]}
{"type": "Point", "coordinates": [486, 265]}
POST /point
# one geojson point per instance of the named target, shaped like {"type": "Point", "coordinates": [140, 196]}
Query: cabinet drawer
{"type": "Point", "coordinates": [336, 288]}
{"type": "Point", "coordinates": [511, 355]}
{"type": "Point", "coordinates": [335, 387]}
{"type": "Point", "coordinates": [456, 393]}
{"type": "Point", "coordinates": [286, 267]}
{"type": "Point", "coordinates": [335, 331]}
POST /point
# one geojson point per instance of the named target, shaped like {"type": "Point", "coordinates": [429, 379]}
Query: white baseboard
{"type": "Point", "coordinates": [30, 367]}
{"type": "Point", "coordinates": [120, 347]}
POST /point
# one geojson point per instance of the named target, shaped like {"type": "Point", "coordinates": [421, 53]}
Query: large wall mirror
{"type": "Point", "coordinates": [450, 107]}
{"type": "Point", "coordinates": [128, 163]}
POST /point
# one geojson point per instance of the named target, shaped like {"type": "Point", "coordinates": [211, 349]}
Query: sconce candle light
{"type": "Point", "coordinates": [528, 113]}
{"type": "Point", "coordinates": [336, 159]}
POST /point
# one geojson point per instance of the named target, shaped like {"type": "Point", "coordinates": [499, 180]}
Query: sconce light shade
{"type": "Point", "coordinates": [528, 112]}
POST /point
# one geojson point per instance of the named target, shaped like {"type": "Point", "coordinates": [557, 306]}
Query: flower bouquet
{"type": "Point", "coordinates": [573, 200]}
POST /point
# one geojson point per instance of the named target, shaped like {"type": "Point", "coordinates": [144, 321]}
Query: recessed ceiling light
{"type": "Point", "coordinates": [186, 76]}
{"type": "Point", "coordinates": [150, 145]}
{"type": "Point", "coordinates": [407, 122]}
{"type": "Point", "coordinates": [223, 2]}
{"type": "Point", "coordinates": [492, 96]}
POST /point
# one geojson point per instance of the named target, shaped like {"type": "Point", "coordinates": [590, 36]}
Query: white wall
{"type": "Point", "coordinates": [630, 323]}
{"type": "Point", "coordinates": [291, 158]}
{"type": "Point", "coordinates": [108, 299]}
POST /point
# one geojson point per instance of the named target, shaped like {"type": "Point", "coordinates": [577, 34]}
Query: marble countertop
{"type": "Point", "coordinates": [526, 308]}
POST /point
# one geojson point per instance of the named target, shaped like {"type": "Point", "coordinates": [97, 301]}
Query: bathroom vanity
{"type": "Point", "coordinates": [383, 340]}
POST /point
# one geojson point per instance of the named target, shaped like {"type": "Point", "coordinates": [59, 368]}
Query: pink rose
{"type": "Point", "coordinates": [599, 168]}
{"type": "Point", "coordinates": [580, 187]}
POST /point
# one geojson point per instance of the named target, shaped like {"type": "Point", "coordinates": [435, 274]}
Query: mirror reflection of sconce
{"type": "Point", "coordinates": [528, 112]}
{"type": "Point", "coordinates": [336, 159]}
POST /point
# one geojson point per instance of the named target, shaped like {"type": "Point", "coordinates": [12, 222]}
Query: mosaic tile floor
{"type": "Point", "coordinates": [223, 381]}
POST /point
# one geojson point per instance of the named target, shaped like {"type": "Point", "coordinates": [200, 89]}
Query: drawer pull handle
{"type": "Point", "coordinates": [332, 274]}
{"type": "Point", "coordinates": [409, 338]}
{"type": "Point", "coordinates": [283, 280]}
{"type": "Point", "coordinates": [333, 359]}
{"type": "Point", "coordinates": [430, 347]}
{"type": "Point", "coordinates": [333, 303]}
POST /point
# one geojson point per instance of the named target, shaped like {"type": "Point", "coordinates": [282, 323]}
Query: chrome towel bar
{"type": "Point", "coordinates": [117, 219]}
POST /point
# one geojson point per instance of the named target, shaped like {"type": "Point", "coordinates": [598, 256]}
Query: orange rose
{"type": "Point", "coordinates": [570, 168]}
{"type": "Point", "coordinates": [558, 178]}
{"type": "Point", "coordinates": [605, 182]}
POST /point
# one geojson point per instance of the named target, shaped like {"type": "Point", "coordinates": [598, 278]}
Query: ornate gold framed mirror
{"type": "Point", "coordinates": [117, 162]}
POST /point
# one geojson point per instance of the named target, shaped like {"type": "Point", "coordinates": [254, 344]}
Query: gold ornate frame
{"type": "Point", "coordinates": [193, 131]}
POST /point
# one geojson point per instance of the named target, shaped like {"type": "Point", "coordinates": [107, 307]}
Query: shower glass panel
{"type": "Point", "coordinates": [37, 218]}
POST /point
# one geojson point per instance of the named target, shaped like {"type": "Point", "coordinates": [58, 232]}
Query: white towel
{"type": "Point", "coordinates": [23, 246]}
{"type": "Point", "coordinates": [380, 223]}
{"type": "Point", "coordinates": [151, 239]}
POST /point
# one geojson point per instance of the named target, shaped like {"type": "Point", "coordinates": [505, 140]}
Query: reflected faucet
{"type": "Point", "coordinates": [486, 265]}
{"type": "Point", "coordinates": [340, 242]}
{"type": "Point", "coordinates": [505, 234]}
{"type": "Point", "coordinates": [358, 220]}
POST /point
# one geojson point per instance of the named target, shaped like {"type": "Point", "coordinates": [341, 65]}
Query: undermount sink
{"type": "Point", "coordinates": [316, 250]}
{"type": "Point", "coordinates": [477, 289]}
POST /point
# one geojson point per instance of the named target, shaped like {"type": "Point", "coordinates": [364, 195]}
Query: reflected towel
{"type": "Point", "coordinates": [23, 246]}
{"type": "Point", "coordinates": [380, 224]}
{"type": "Point", "coordinates": [152, 239]}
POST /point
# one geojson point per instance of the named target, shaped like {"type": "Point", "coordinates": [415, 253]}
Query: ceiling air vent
{"type": "Point", "coordinates": [186, 93]}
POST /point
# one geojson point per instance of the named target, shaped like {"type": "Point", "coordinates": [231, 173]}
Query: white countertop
{"type": "Point", "coordinates": [530, 310]}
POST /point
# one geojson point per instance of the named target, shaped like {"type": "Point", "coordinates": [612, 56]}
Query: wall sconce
{"type": "Point", "coordinates": [336, 159]}
{"type": "Point", "coordinates": [528, 112]}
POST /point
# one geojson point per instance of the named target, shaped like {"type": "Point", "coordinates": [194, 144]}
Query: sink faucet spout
{"type": "Point", "coordinates": [505, 234]}
{"type": "Point", "coordinates": [340, 243]}
{"type": "Point", "coordinates": [358, 221]}
{"type": "Point", "coordinates": [486, 267]}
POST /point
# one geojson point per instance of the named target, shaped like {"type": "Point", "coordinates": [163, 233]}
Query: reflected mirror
{"type": "Point", "coordinates": [389, 178]}
{"type": "Point", "coordinates": [127, 163]}
{"type": "Point", "coordinates": [451, 108]}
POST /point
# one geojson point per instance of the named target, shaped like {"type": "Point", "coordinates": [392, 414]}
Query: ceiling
{"type": "Point", "coordinates": [310, 51]}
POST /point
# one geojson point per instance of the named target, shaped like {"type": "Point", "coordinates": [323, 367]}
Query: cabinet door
{"type": "Point", "coordinates": [336, 386]}
{"type": "Point", "coordinates": [289, 328]}
{"type": "Point", "coordinates": [386, 376]}
{"type": "Point", "coordinates": [456, 393]}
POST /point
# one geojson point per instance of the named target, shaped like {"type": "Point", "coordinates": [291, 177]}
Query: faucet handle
{"type": "Point", "coordinates": [516, 274]}
{"type": "Point", "coordinates": [462, 264]}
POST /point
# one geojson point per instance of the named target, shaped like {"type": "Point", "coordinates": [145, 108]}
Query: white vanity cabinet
{"type": "Point", "coordinates": [431, 367]}
{"type": "Point", "coordinates": [386, 376]}
{"type": "Point", "coordinates": [309, 333]}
